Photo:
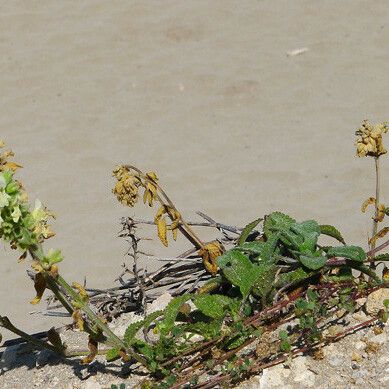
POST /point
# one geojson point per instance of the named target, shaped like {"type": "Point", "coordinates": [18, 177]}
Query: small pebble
{"type": "Point", "coordinates": [356, 357]}
{"type": "Point", "coordinates": [335, 361]}
{"type": "Point", "coordinates": [359, 345]}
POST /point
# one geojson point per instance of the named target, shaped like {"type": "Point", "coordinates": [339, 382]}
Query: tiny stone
{"type": "Point", "coordinates": [361, 302]}
{"type": "Point", "coordinates": [375, 301]}
{"type": "Point", "coordinates": [360, 316]}
{"type": "Point", "coordinates": [356, 357]}
{"type": "Point", "coordinates": [359, 345]}
{"type": "Point", "coordinates": [355, 366]}
{"type": "Point", "coordinates": [335, 361]}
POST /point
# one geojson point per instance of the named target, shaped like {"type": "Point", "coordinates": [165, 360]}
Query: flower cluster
{"type": "Point", "coordinates": [18, 225]}
{"type": "Point", "coordinates": [369, 142]}
{"type": "Point", "coordinates": [127, 186]}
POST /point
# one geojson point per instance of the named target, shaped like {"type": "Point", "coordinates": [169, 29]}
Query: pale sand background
{"type": "Point", "coordinates": [200, 91]}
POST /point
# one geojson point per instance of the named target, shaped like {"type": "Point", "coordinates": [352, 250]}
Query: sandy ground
{"type": "Point", "coordinates": [201, 91]}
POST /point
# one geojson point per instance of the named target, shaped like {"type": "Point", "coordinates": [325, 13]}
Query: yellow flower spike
{"type": "Point", "coordinates": [81, 290]}
{"type": "Point", "coordinates": [162, 231]}
{"type": "Point", "coordinates": [366, 203]}
{"type": "Point", "coordinates": [2, 144]}
{"type": "Point", "coordinates": [78, 320]}
{"type": "Point", "coordinates": [378, 235]}
{"type": "Point", "coordinates": [40, 286]}
{"type": "Point", "coordinates": [209, 253]}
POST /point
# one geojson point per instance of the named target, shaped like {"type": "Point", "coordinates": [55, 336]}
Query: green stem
{"type": "Point", "coordinates": [54, 282]}
{"type": "Point", "coordinates": [377, 202]}
{"type": "Point", "coordinates": [112, 338]}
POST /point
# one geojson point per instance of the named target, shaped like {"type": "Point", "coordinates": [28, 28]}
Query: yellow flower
{"type": "Point", "coordinates": [369, 142]}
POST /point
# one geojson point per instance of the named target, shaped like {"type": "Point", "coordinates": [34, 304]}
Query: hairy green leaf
{"type": "Point", "coordinates": [263, 250]}
{"type": "Point", "coordinates": [382, 257]}
{"type": "Point", "coordinates": [133, 328]}
{"type": "Point", "coordinates": [206, 329]}
{"type": "Point", "coordinates": [309, 231]}
{"type": "Point", "coordinates": [355, 253]}
{"type": "Point", "coordinates": [244, 274]}
{"type": "Point", "coordinates": [171, 312]}
{"type": "Point", "coordinates": [331, 231]}
{"type": "Point", "coordinates": [251, 247]}
{"type": "Point", "coordinates": [212, 305]}
{"type": "Point", "coordinates": [277, 221]}
{"type": "Point", "coordinates": [265, 274]}
{"type": "Point", "coordinates": [247, 230]}
{"type": "Point", "coordinates": [293, 277]}
{"type": "Point", "coordinates": [313, 261]}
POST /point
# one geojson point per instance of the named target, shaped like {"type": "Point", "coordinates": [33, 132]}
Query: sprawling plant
{"type": "Point", "coordinates": [275, 275]}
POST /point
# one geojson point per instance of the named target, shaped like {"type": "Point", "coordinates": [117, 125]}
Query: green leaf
{"type": "Point", "coordinates": [313, 261]}
{"type": "Point", "coordinates": [171, 312]}
{"type": "Point", "coordinates": [382, 257]}
{"type": "Point", "coordinates": [344, 274]}
{"type": "Point", "coordinates": [206, 329]}
{"type": "Point", "coordinates": [225, 259]}
{"type": "Point", "coordinates": [264, 250]}
{"type": "Point", "coordinates": [236, 341]}
{"type": "Point", "coordinates": [355, 253]}
{"type": "Point", "coordinates": [244, 274]}
{"type": "Point", "coordinates": [251, 247]}
{"type": "Point", "coordinates": [309, 231]}
{"type": "Point", "coordinates": [293, 277]}
{"type": "Point", "coordinates": [247, 230]}
{"type": "Point", "coordinates": [133, 328]}
{"type": "Point", "coordinates": [277, 221]}
{"type": "Point", "coordinates": [112, 354]}
{"type": "Point", "coordinates": [331, 231]}
{"type": "Point", "coordinates": [212, 305]}
{"type": "Point", "coordinates": [265, 275]}
{"type": "Point", "coordinates": [366, 270]}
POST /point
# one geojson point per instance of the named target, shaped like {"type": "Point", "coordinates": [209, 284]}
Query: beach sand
{"type": "Point", "coordinates": [202, 92]}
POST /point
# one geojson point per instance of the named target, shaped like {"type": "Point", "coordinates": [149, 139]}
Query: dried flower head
{"type": "Point", "coordinates": [210, 252]}
{"type": "Point", "coordinates": [127, 186]}
{"type": "Point", "coordinates": [369, 142]}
